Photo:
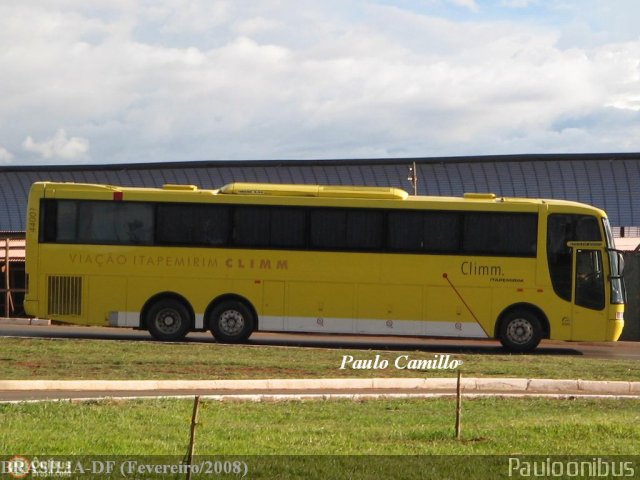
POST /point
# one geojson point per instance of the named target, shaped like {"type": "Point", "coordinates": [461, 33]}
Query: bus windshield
{"type": "Point", "coordinates": [616, 262]}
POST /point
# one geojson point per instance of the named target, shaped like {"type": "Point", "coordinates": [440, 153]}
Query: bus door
{"type": "Point", "coordinates": [589, 316]}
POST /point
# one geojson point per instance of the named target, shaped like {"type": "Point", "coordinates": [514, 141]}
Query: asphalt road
{"type": "Point", "coordinates": [618, 350]}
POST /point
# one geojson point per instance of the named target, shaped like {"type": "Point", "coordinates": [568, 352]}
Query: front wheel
{"type": "Point", "coordinates": [520, 331]}
{"type": "Point", "coordinates": [231, 322]}
{"type": "Point", "coordinates": [168, 320]}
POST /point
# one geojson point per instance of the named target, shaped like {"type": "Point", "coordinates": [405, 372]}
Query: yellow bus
{"type": "Point", "coordinates": [328, 259]}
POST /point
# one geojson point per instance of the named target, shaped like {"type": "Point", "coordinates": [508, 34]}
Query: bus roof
{"type": "Point", "coordinates": [244, 190]}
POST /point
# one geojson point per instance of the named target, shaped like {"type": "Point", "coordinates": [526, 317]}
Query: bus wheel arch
{"type": "Point", "coordinates": [231, 318]}
{"type": "Point", "coordinates": [521, 326]}
{"type": "Point", "coordinates": [167, 316]}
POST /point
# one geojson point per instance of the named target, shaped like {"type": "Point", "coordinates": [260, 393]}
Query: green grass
{"type": "Point", "coordinates": [491, 426]}
{"type": "Point", "coordinates": [395, 439]}
{"type": "Point", "coordinates": [32, 358]}
{"type": "Point", "coordinates": [313, 439]}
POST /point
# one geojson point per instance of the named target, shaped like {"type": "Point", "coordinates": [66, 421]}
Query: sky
{"type": "Point", "coordinates": [124, 81]}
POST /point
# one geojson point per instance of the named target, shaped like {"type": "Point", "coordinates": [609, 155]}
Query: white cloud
{"type": "Point", "coordinates": [153, 82]}
{"type": "Point", "coordinates": [5, 155]}
{"type": "Point", "coordinates": [470, 4]}
{"type": "Point", "coordinates": [595, 23]}
{"type": "Point", "coordinates": [256, 25]}
{"type": "Point", "coordinates": [193, 16]}
{"type": "Point", "coordinates": [58, 146]}
{"type": "Point", "coordinates": [517, 3]}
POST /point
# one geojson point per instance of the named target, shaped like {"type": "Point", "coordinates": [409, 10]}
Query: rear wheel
{"type": "Point", "coordinates": [168, 320]}
{"type": "Point", "coordinates": [231, 321]}
{"type": "Point", "coordinates": [520, 331]}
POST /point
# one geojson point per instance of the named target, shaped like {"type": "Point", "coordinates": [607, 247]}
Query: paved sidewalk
{"type": "Point", "coordinates": [301, 389]}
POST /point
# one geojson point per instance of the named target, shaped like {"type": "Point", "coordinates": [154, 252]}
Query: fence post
{"type": "Point", "coordinates": [192, 439]}
{"type": "Point", "coordinates": [458, 407]}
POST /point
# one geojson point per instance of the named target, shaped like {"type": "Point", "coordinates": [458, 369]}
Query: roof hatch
{"type": "Point", "coordinates": [335, 191]}
{"type": "Point", "coordinates": [480, 196]}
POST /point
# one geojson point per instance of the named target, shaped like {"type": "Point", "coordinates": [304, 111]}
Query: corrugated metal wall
{"type": "Point", "coordinates": [608, 182]}
{"type": "Point", "coordinates": [611, 182]}
{"type": "Point", "coordinates": [632, 308]}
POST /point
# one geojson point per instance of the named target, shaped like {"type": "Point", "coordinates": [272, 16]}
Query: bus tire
{"type": "Point", "coordinates": [520, 331]}
{"type": "Point", "coordinates": [168, 320]}
{"type": "Point", "coordinates": [231, 322]}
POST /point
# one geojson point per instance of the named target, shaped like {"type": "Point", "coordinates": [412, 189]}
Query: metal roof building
{"type": "Point", "coordinates": [608, 181]}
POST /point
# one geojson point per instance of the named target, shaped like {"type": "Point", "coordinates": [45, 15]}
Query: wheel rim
{"type": "Point", "coordinates": [520, 331]}
{"type": "Point", "coordinates": [168, 321]}
{"type": "Point", "coordinates": [231, 322]}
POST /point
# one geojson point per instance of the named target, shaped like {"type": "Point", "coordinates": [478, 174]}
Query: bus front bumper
{"type": "Point", "coordinates": [615, 324]}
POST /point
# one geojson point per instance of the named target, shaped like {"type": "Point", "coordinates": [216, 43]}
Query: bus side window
{"type": "Point", "coordinates": [405, 231]}
{"type": "Point", "coordinates": [500, 234]}
{"type": "Point", "coordinates": [251, 226]}
{"type": "Point", "coordinates": [60, 221]}
{"type": "Point", "coordinates": [134, 223]}
{"type": "Point", "coordinates": [192, 224]}
{"type": "Point", "coordinates": [277, 227]}
{"type": "Point", "coordinates": [115, 223]}
{"type": "Point", "coordinates": [288, 227]}
{"type": "Point", "coordinates": [328, 228]}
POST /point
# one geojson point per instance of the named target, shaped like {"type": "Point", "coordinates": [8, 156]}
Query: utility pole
{"type": "Point", "coordinates": [413, 177]}
{"type": "Point", "coordinates": [7, 279]}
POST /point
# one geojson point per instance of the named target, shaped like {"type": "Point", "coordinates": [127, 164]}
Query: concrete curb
{"type": "Point", "coordinates": [41, 322]}
{"type": "Point", "coordinates": [419, 385]}
{"type": "Point", "coordinates": [290, 397]}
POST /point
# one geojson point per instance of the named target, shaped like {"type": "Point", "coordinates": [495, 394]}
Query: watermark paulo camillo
{"type": "Point", "coordinates": [401, 362]}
